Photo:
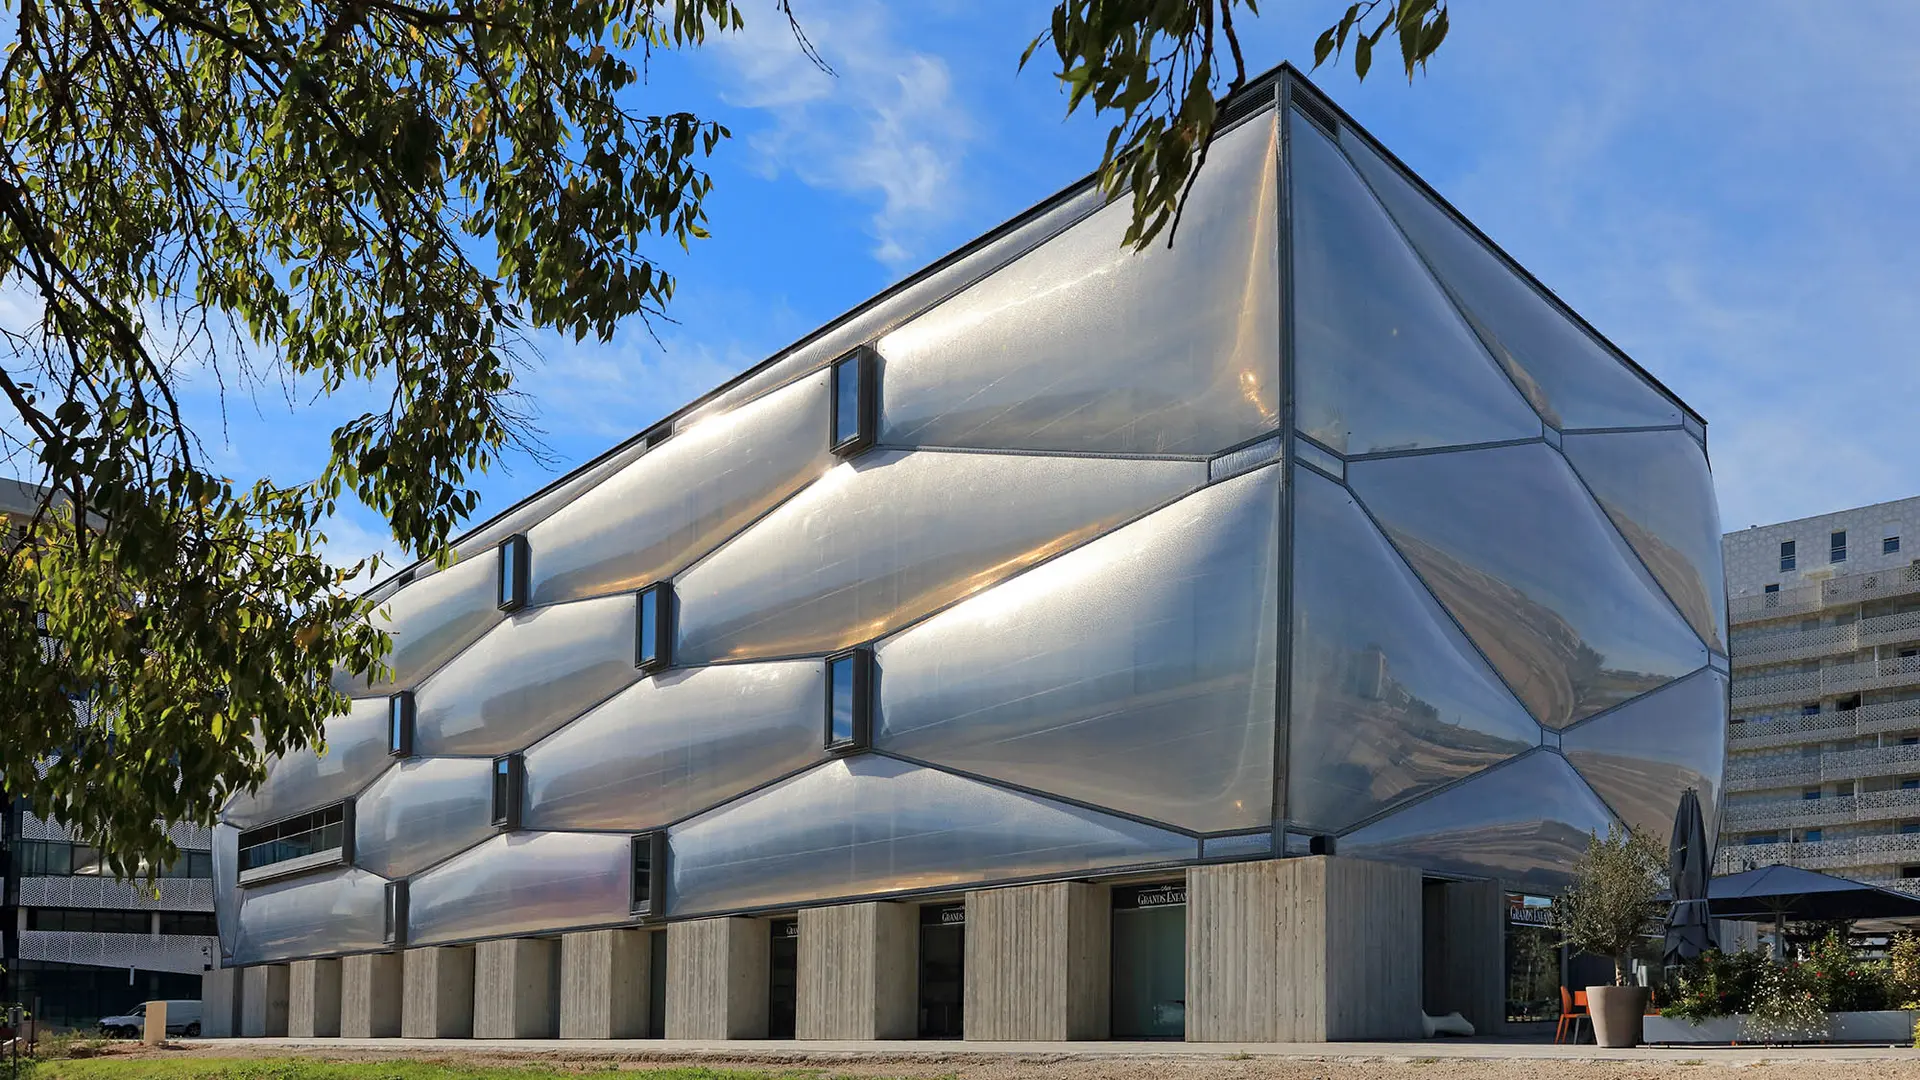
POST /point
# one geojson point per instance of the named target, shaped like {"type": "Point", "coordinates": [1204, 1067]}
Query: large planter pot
{"type": "Point", "coordinates": [1618, 1013]}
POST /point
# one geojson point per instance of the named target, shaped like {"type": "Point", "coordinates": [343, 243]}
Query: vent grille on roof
{"type": "Point", "coordinates": [1316, 110]}
{"type": "Point", "coordinates": [1243, 103]}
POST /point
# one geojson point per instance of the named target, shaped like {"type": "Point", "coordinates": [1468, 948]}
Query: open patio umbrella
{"type": "Point", "coordinates": [1689, 866]}
{"type": "Point", "coordinates": [1777, 893]}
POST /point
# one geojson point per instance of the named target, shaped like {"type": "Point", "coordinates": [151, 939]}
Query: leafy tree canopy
{"type": "Point", "coordinates": [355, 194]}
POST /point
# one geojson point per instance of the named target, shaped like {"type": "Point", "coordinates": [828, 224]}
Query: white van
{"type": "Point", "coordinates": [183, 1018]}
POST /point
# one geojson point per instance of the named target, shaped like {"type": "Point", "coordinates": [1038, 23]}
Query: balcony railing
{"type": "Point", "coordinates": [1759, 774]}
{"type": "Point", "coordinates": [1813, 813]}
{"type": "Point", "coordinates": [1756, 690]}
{"type": "Point", "coordinates": [148, 952]}
{"type": "Point", "coordinates": [1852, 589]}
{"type": "Point", "coordinates": [1821, 854]}
{"type": "Point", "coordinates": [1795, 728]}
{"type": "Point", "coordinates": [89, 891]}
{"type": "Point", "coordinates": [1788, 645]}
{"type": "Point", "coordinates": [184, 835]}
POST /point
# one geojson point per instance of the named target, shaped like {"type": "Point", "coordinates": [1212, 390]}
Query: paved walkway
{"type": "Point", "coordinates": [789, 1052]}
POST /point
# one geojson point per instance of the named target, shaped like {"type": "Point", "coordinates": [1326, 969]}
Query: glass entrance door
{"type": "Point", "coordinates": [1150, 962]}
{"type": "Point", "coordinates": [943, 958]}
{"type": "Point", "coordinates": [784, 965]}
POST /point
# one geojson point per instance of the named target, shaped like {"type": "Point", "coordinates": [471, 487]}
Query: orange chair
{"type": "Point", "coordinates": [1573, 1009]}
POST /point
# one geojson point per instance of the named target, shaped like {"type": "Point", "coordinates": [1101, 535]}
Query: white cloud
{"type": "Point", "coordinates": [885, 125]}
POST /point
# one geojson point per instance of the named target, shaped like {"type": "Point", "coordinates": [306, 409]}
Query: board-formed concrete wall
{"type": "Point", "coordinates": [859, 972]}
{"type": "Point", "coordinates": [370, 996]}
{"type": "Point", "coordinates": [263, 1001]}
{"type": "Point", "coordinates": [717, 978]}
{"type": "Point", "coordinates": [313, 999]}
{"type": "Point", "coordinates": [437, 994]}
{"type": "Point", "coordinates": [1038, 963]}
{"type": "Point", "coordinates": [1465, 961]}
{"type": "Point", "coordinates": [606, 985]}
{"type": "Point", "coordinates": [514, 985]}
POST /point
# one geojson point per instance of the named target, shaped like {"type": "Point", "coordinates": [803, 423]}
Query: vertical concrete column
{"type": "Point", "coordinates": [436, 997]}
{"type": "Point", "coordinates": [313, 999]}
{"type": "Point", "coordinates": [859, 973]}
{"type": "Point", "coordinates": [717, 979]}
{"type": "Point", "coordinates": [370, 994]}
{"type": "Point", "coordinates": [513, 989]}
{"type": "Point", "coordinates": [220, 1003]}
{"type": "Point", "coordinates": [1038, 963]}
{"type": "Point", "coordinates": [1465, 955]}
{"type": "Point", "coordinates": [606, 984]}
{"type": "Point", "coordinates": [1303, 950]}
{"type": "Point", "coordinates": [263, 1001]}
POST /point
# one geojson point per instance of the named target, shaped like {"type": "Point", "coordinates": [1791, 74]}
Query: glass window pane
{"type": "Point", "coordinates": [1516, 549]}
{"type": "Point", "coordinates": [840, 711]}
{"type": "Point", "coordinates": [423, 810]}
{"type": "Point", "coordinates": [525, 882]}
{"type": "Point", "coordinates": [893, 535]}
{"type": "Point", "coordinates": [683, 498]}
{"type": "Point", "coordinates": [1136, 672]}
{"type": "Point", "coordinates": [1640, 757]}
{"type": "Point", "coordinates": [1656, 487]}
{"type": "Point", "coordinates": [677, 744]}
{"type": "Point", "coordinates": [869, 824]}
{"type": "Point", "coordinates": [1572, 380]}
{"type": "Point", "coordinates": [510, 573]}
{"type": "Point", "coordinates": [199, 864]}
{"type": "Point", "coordinates": [1525, 823]}
{"type": "Point", "coordinates": [1083, 345]}
{"type": "Point", "coordinates": [502, 785]}
{"type": "Point", "coordinates": [650, 602]}
{"type": "Point", "coordinates": [846, 401]}
{"type": "Point", "coordinates": [1385, 360]}
{"type": "Point", "coordinates": [1390, 700]}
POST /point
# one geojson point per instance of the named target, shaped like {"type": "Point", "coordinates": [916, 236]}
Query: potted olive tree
{"type": "Point", "coordinates": [1610, 905]}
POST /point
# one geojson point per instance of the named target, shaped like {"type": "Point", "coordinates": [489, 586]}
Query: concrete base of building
{"type": "Point", "coordinates": [220, 1003]}
{"type": "Point", "coordinates": [606, 984]}
{"type": "Point", "coordinates": [263, 1000]}
{"type": "Point", "coordinates": [717, 979]}
{"type": "Point", "coordinates": [370, 996]}
{"type": "Point", "coordinates": [313, 999]}
{"type": "Point", "coordinates": [437, 993]}
{"type": "Point", "coordinates": [859, 970]}
{"type": "Point", "coordinates": [1303, 950]}
{"type": "Point", "coordinates": [1037, 963]}
{"type": "Point", "coordinates": [514, 989]}
{"type": "Point", "coordinates": [1464, 925]}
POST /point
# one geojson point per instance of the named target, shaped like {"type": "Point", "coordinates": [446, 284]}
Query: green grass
{"type": "Point", "coordinates": [160, 1068]}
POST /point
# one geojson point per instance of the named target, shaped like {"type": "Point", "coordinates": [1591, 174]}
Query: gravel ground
{"type": "Point", "coordinates": [1710, 1064]}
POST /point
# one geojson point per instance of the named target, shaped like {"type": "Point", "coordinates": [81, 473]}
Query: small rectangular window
{"type": "Point", "coordinates": [1810, 794]}
{"type": "Point", "coordinates": [1771, 589]}
{"type": "Point", "coordinates": [1837, 547]}
{"type": "Point", "coordinates": [1910, 783]}
{"type": "Point", "coordinates": [508, 779]}
{"type": "Point", "coordinates": [1890, 545]}
{"type": "Point", "coordinates": [853, 402]}
{"type": "Point", "coordinates": [400, 724]}
{"type": "Point", "coordinates": [1908, 828]}
{"type": "Point", "coordinates": [649, 871]}
{"type": "Point", "coordinates": [849, 682]}
{"type": "Point", "coordinates": [395, 917]}
{"type": "Point", "coordinates": [1787, 557]}
{"type": "Point", "coordinates": [1813, 835]}
{"type": "Point", "coordinates": [513, 572]}
{"type": "Point", "coordinates": [1812, 709]}
{"type": "Point", "coordinates": [1910, 871]}
{"type": "Point", "coordinates": [653, 628]}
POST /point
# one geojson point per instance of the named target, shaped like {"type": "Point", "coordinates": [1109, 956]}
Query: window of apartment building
{"type": "Point", "coordinates": [1810, 709]}
{"type": "Point", "coordinates": [53, 858]}
{"type": "Point", "coordinates": [649, 871]}
{"type": "Point", "coordinates": [188, 923]}
{"type": "Point", "coordinates": [1837, 546]}
{"type": "Point", "coordinates": [1890, 545]}
{"type": "Point", "coordinates": [1812, 836]}
{"type": "Point", "coordinates": [1810, 793]}
{"type": "Point", "coordinates": [190, 864]}
{"type": "Point", "coordinates": [513, 572]}
{"type": "Point", "coordinates": [1847, 704]}
{"type": "Point", "coordinates": [1788, 559]}
{"type": "Point", "coordinates": [509, 778]}
{"type": "Point", "coordinates": [1762, 838]}
{"type": "Point", "coordinates": [400, 724]}
{"type": "Point", "coordinates": [853, 403]}
{"type": "Point", "coordinates": [1909, 828]}
{"type": "Point", "coordinates": [1910, 783]}
{"type": "Point", "coordinates": [89, 922]}
{"type": "Point", "coordinates": [653, 628]}
{"type": "Point", "coordinates": [307, 840]}
{"type": "Point", "coordinates": [849, 676]}
{"type": "Point", "coordinates": [394, 914]}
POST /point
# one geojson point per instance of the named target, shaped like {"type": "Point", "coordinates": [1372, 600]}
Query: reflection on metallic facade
{"type": "Point", "coordinates": [1095, 603]}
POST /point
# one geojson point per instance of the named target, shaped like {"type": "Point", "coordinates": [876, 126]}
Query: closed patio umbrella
{"type": "Point", "coordinates": [1689, 866]}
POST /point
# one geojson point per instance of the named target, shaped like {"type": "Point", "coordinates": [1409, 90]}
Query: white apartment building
{"type": "Point", "coordinates": [1823, 762]}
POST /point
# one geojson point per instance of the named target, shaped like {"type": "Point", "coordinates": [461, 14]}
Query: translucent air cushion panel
{"type": "Point", "coordinates": [341, 911]}
{"type": "Point", "coordinates": [891, 536]}
{"type": "Point", "coordinates": [525, 882]}
{"type": "Point", "coordinates": [870, 825]}
{"type": "Point", "coordinates": [1568, 375]}
{"type": "Point", "coordinates": [356, 751]}
{"type": "Point", "coordinates": [1086, 345]}
{"type": "Point", "coordinates": [1390, 700]}
{"type": "Point", "coordinates": [1385, 362]}
{"type": "Point", "coordinates": [1515, 547]}
{"type": "Point", "coordinates": [422, 811]}
{"type": "Point", "coordinates": [1524, 823]}
{"type": "Point", "coordinates": [1656, 487]}
{"type": "Point", "coordinates": [432, 619]}
{"type": "Point", "coordinates": [529, 676]}
{"type": "Point", "coordinates": [676, 744]}
{"type": "Point", "coordinates": [684, 497]}
{"type": "Point", "coordinates": [225, 856]}
{"type": "Point", "coordinates": [1642, 756]}
{"type": "Point", "coordinates": [1135, 673]}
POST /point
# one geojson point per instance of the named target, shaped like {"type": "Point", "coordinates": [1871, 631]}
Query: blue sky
{"type": "Point", "coordinates": [1723, 188]}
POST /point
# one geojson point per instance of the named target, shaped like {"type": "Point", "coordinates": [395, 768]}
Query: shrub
{"type": "Point", "coordinates": [1842, 981]}
{"type": "Point", "coordinates": [1786, 1006]}
{"type": "Point", "coordinates": [1903, 971]}
{"type": "Point", "coordinates": [1713, 984]}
